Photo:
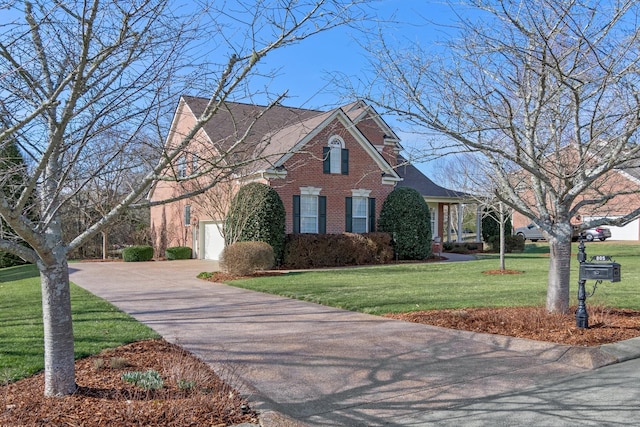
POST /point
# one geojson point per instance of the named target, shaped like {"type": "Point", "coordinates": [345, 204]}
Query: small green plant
{"type": "Point", "coordinates": [186, 384]}
{"type": "Point", "coordinates": [205, 275]}
{"type": "Point", "coordinates": [149, 380]}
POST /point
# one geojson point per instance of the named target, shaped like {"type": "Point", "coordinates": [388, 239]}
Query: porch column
{"type": "Point", "coordinates": [448, 222]}
{"type": "Point", "coordinates": [478, 223]}
{"type": "Point", "coordinates": [460, 213]}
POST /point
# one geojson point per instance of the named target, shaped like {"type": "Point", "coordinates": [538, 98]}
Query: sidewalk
{"type": "Point", "coordinates": [306, 364]}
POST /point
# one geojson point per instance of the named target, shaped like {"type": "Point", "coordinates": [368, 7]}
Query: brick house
{"type": "Point", "coordinates": [627, 180]}
{"type": "Point", "coordinates": [332, 169]}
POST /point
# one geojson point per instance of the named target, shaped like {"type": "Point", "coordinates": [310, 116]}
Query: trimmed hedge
{"type": "Point", "coordinates": [137, 253]}
{"type": "Point", "coordinates": [335, 250]}
{"type": "Point", "coordinates": [244, 258]}
{"type": "Point", "coordinates": [178, 252]}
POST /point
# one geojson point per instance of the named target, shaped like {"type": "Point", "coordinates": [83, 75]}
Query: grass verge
{"type": "Point", "coordinates": [97, 324]}
{"type": "Point", "coordinates": [407, 287]}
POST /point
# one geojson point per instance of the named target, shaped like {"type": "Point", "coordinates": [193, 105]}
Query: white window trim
{"type": "Point", "coordinates": [335, 144]}
{"type": "Point", "coordinates": [362, 193]}
{"type": "Point", "coordinates": [310, 191]}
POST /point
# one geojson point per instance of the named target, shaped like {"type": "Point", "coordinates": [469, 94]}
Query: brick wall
{"type": "Point", "coordinates": [305, 169]}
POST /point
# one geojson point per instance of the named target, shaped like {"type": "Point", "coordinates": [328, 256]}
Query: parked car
{"type": "Point", "coordinates": [600, 233]}
{"type": "Point", "coordinates": [530, 232]}
{"type": "Point", "coordinates": [533, 233]}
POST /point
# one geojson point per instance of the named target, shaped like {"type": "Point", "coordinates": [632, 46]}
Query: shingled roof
{"type": "Point", "coordinates": [413, 178]}
{"type": "Point", "coordinates": [269, 132]}
{"type": "Point", "coordinates": [234, 119]}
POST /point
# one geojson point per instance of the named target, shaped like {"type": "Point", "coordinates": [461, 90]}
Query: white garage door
{"type": "Point", "coordinates": [213, 241]}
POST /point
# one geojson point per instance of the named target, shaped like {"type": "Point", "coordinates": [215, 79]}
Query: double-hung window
{"type": "Point", "coordinates": [309, 211]}
{"type": "Point", "coordinates": [308, 214]}
{"type": "Point", "coordinates": [359, 215]}
{"type": "Point", "coordinates": [182, 166]}
{"type": "Point", "coordinates": [360, 212]}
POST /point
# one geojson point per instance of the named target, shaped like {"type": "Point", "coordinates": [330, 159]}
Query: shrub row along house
{"type": "Point", "coordinates": [332, 169]}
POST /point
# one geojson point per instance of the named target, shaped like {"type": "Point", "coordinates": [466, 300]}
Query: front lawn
{"type": "Point", "coordinates": [97, 324]}
{"type": "Point", "coordinates": [424, 286]}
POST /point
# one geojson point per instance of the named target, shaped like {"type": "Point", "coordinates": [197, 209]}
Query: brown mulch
{"type": "Point", "coordinates": [606, 325]}
{"type": "Point", "coordinates": [193, 395]}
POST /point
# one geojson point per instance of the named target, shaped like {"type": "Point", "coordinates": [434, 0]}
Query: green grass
{"type": "Point", "coordinates": [97, 324]}
{"type": "Point", "coordinates": [409, 287]}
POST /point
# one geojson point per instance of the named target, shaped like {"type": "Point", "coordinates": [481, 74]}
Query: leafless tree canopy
{"type": "Point", "coordinates": [88, 90]}
{"type": "Point", "coordinates": [545, 91]}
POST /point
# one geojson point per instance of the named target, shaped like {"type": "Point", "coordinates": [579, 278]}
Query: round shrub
{"type": "Point", "coordinates": [491, 225]}
{"type": "Point", "coordinates": [244, 258]}
{"type": "Point", "coordinates": [137, 253]}
{"type": "Point", "coordinates": [178, 252]}
{"type": "Point", "coordinates": [406, 216]}
{"type": "Point", "coordinates": [256, 214]}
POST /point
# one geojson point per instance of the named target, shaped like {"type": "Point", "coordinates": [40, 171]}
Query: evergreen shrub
{"type": "Point", "coordinates": [405, 215]}
{"type": "Point", "coordinates": [257, 214]}
{"type": "Point", "coordinates": [491, 226]}
{"type": "Point", "coordinates": [178, 252]}
{"type": "Point", "coordinates": [137, 253]}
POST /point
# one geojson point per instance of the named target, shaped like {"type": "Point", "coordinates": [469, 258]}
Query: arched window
{"type": "Point", "coordinates": [336, 157]}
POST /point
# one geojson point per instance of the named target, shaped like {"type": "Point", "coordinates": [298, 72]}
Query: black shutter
{"type": "Point", "coordinates": [322, 214]}
{"type": "Point", "coordinates": [345, 161]}
{"type": "Point", "coordinates": [326, 160]}
{"type": "Point", "coordinates": [296, 214]}
{"type": "Point", "coordinates": [348, 216]}
{"type": "Point", "coordinates": [372, 215]}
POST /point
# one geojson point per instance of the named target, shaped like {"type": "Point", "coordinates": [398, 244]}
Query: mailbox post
{"type": "Point", "coordinates": [604, 269]}
{"type": "Point", "coordinates": [582, 317]}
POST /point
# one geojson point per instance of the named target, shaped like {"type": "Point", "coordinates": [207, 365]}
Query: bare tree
{"type": "Point", "coordinates": [546, 92]}
{"type": "Point", "coordinates": [74, 73]}
{"type": "Point", "coordinates": [466, 172]}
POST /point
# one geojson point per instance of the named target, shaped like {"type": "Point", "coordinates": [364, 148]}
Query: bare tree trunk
{"type": "Point", "coordinates": [59, 360]}
{"type": "Point", "coordinates": [105, 255]}
{"type": "Point", "coordinates": [559, 275]}
{"type": "Point", "coordinates": [502, 242]}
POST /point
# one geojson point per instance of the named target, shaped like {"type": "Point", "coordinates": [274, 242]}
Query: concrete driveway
{"type": "Point", "coordinates": [306, 364]}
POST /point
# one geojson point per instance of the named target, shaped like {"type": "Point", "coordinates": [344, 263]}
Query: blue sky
{"type": "Point", "coordinates": [304, 69]}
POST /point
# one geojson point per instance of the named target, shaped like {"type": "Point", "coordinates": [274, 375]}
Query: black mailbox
{"type": "Point", "coordinates": [609, 271]}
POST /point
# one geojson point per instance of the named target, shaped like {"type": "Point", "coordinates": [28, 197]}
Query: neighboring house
{"type": "Point", "coordinates": [624, 179]}
{"type": "Point", "coordinates": [332, 169]}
